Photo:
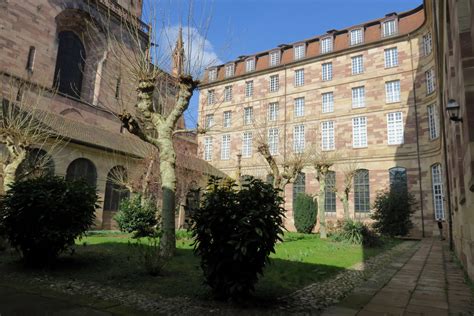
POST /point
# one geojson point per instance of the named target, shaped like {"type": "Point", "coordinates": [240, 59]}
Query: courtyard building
{"type": "Point", "coordinates": [365, 93]}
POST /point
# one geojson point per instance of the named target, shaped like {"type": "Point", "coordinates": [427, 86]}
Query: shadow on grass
{"type": "Point", "coordinates": [111, 261]}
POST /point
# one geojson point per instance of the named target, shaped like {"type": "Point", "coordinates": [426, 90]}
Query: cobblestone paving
{"type": "Point", "coordinates": [312, 299]}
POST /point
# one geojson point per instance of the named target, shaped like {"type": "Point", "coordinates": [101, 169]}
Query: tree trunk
{"type": "Point", "coordinates": [345, 204]}
{"type": "Point", "coordinates": [9, 169]}
{"type": "Point", "coordinates": [321, 207]}
{"type": "Point", "coordinates": [168, 185]}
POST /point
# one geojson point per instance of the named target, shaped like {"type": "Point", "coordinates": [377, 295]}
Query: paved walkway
{"type": "Point", "coordinates": [429, 283]}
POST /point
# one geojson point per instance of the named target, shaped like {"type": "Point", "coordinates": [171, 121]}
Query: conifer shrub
{"type": "Point", "coordinates": [305, 213]}
{"type": "Point", "coordinates": [234, 233]}
{"type": "Point", "coordinates": [392, 211]}
{"type": "Point", "coordinates": [137, 216]}
{"type": "Point", "coordinates": [42, 217]}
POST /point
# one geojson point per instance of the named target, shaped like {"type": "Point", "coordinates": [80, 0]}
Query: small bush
{"type": "Point", "coordinates": [356, 233]}
{"type": "Point", "coordinates": [235, 232]}
{"type": "Point", "coordinates": [133, 217]}
{"type": "Point", "coordinates": [305, 213]}
{"type": "Point", "coordinates": [392, 212]}
{"type": "Point", "coordinates": [148, 255]}
{"type": "Point", "coordinates": [42, 217]}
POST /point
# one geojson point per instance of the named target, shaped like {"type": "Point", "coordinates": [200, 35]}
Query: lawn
{"type": "Point", "coordinates": [108, 258]}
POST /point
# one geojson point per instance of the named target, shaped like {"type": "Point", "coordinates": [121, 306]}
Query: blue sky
{"type": "Point", "coordinates": [243, 27]}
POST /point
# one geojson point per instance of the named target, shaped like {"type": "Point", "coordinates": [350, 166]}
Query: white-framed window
{"type": "Point", "coordinates": [299, 51]}
{"type": "Point", "coordinates": [326, 71]}
{"type": "Point", "coordinates": [227, 122]}
{"type": "Point", "coordinates": [433, 121]}
{"type": "Point", "coordinates": [274, 58]}
{"type": "Point", "coordinates": [229, 70]}
{"type": "Point", "coordinates": [212, 74]}
{"type": "Point", "coordinates": [358, 97]}
{"type": "Point", "coordinates": [391, 57]}
{"type": "Point", "coordinates": [209, 120]}
{"type": "Point", "coordinates": [392, 91]}
{"type": "Point", "coordinates": [249, 88]}
{"type": "Point", "coordinates": [274, 83]}
{"type": "Point", "coordinates": [389, 28]}
{"type": "Point", "coordinates": [227, 93]}
{"type": "Point", "coordinates": [326, 45]}
{"type": "Point", "coordinates": [356, 36]}
{"type": "Point", "coordinates": [273, 140]}
{"type": "Point", "coordinates": [299, 107]}
{"type": "Point", "coordinates": [430, 81]}
{"type": "Point", "coordinates": [273, 111]}
{"type": "Point", "coordinates": [427, 44]}
{"type": "Point", "coordinates": [327, 135]}
{"type": "Point", "coordinates": [248, 115]}
{"type": "Point", "coordinates": [357, 65]}
{"type": "Point", "coordinates": [327, 102]}
{"type": "Point", "coordinates": [299, 77]}
{"type": "Point", "coordinates": [395, 128]}
{"type": "Point", "coordinates": [211, 97]}
{"type": "Point", "coordinates": [298, 138]}
{"type": "Point", "coordinates": [247, 144]}
{"type": "Point", "coordinates": [359, 132]}
{"type": "Point", "coordinates": [438, 191]}
{"type": "Point", "coordinates": [225, 147]}
{"type": "Point", "coordinates": [250, 65]}
{"type": "Point", "coordinates": [208, 148]}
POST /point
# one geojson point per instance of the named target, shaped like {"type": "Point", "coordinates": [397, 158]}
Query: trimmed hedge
{"type": "Point", "coordinates": [305, 213]}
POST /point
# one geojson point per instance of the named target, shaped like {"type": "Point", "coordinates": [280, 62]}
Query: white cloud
{"type": "Point", "coordinates": [199, 51]}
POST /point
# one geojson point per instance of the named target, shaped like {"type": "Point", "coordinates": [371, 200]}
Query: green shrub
{"type": "Point", "coordinates": [356, 233]}
{"type": "Point", "coordinates": [392, 212]}
{"type": "Point", "coordinates": [133, 217]}
{"type": "Point", "coordinates": [148, 255]}
{"type": "Point", "coordinates": [305, 213]}
{"type": "Point", "coordinates": [235, 232]}
{"type": "Point", "coordinates": [42, 217]}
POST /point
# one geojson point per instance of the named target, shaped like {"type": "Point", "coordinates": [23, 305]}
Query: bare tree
{"type": "Point", "coordinates": [143, 54]}
{"type": "Point", "coordinates": [322, 162]}
{"type": "Point", "coordinates": [349, 171]}
{"type": "Point", "coordinates": [25, 130]}
{"type": "Point", "coordinates": [284, 167]}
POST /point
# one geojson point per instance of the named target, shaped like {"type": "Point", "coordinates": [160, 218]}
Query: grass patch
{"type": "Point", "coordinates": [107, 258]}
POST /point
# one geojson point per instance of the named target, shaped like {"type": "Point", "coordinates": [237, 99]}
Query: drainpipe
{"type": "Point", "coordinates": [417, 138]}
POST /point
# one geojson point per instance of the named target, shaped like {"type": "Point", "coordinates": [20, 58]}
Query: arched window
{"type": "Point", "coordinates": [69, 64]}
{"type": "Point", "coordinates": [115, 191]}
{"type": "Point", "coordinates": [438, 192]}
{"type": "Point", "coordinates": [37, 163]}
{"type": "Point", "coordinates": [299, 186]}
{"type": "Point", "coordinates": [398, 178]}
{"type": "Point", "coordinates": [330, 193]}
{"type": "Point", "coordinates": [361, 191]}
{"type": "Point", "coordinates": [82, 169]}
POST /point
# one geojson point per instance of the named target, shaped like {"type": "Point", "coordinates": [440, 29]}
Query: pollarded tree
{"type": "Point", "coordinates": [349, 171]}
{"type": "Point", "coordinates": [322, 162]}
{"type": "Point", "coordinates": [25, 130]}
{"type": "Point", "coordinates": [143, 53]}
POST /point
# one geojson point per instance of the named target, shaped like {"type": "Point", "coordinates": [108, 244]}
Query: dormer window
{"type": "Point", "coordinates": [326, 45]}
{"type": "Point", "coordinates": [70, 64]}
{"type": "Point", "coordinates": [229, 70]}
{"type": "Point", "coordinates": [213, 74]}
{"type": "Point", "coordinates": [250, 65]}
{"type": "Point", "coordinates": [274, 58]}
{"type": "Point", "coordinates": [356, 36]}
{"type": "Point", "coordinates": [299, 51]}
{"type": "Point", "coordinates": [389, 28]}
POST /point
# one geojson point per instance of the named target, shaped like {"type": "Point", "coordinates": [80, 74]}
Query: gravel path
{"type": "Point", "coordinates": [311, 299]}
